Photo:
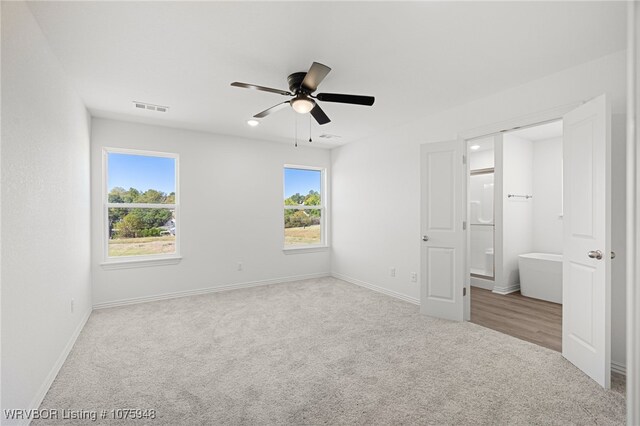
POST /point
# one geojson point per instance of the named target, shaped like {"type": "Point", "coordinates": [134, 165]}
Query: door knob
{"type": "Point", "coordinates": [425, 238]}
{"type": "Point", "coordinates": [613, 254]}
{"type": "Point", "coordinates": [595, 254]}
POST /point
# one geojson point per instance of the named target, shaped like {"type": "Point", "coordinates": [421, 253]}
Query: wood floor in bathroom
{"type": "Point", "coordinates": [533, 320]}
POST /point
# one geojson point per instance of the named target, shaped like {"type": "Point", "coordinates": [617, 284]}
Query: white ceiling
{"type": "Point", "coordinates": [540, 132]}
{"type": "Point", "coordinates": [535, 133]}
{"type": "Point", "coordinates": [482, 144]}
{"type": "Point", "coordinates": [414, 57]}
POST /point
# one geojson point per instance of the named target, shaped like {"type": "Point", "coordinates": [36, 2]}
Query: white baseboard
{"type": "Point", "coordinates": [44, 388]}
{"type": "Point", "coordinates": [618, 368]}
{"type": "Point", "coordinates": [506, 290]}
{"type": "Point", "coordinates": [364, 284]}
{"type": "Point", "coordinates": [481, 283]}
{"type": "Point", "coordinates": [174, 295]}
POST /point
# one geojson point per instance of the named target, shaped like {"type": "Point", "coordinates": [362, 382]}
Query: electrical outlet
{"type": "Point", "coordinates": [72, 305]}
{"type": "Point", "coordinates": [239, 266]}
{"type": "Point", "coordinates": [414, 277]}
{"type": "Point", "coordinates": [392, 271]}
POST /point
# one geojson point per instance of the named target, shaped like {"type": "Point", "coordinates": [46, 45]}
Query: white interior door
{"type": "Point", "coordinates": [586, 310]}
{"type": "Point", "coordinates": [442, 237]}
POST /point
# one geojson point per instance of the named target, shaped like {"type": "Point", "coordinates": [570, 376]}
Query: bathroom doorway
{"type": "Point", "coordinates": [586, 227]}
{"type": "Point", "coordinates": [515, 241]}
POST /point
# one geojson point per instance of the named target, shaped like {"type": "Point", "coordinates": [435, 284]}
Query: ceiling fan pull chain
{"type": "Point", "coordinates": [310, 128]}
{"type": "Point", "coordinates": [296, 130]}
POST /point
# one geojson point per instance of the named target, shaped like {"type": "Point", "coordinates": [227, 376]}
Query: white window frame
{"type": "Point", "coordinates": [324, 202]}
{"type": "Point", "coordinates": [117, 262]}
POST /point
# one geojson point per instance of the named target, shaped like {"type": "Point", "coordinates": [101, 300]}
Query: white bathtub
{"type": "Point", "coordinates": [541, 276]}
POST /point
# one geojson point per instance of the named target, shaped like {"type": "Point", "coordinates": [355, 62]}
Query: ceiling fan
{"type": "Point", "coordinates": [301, 86]}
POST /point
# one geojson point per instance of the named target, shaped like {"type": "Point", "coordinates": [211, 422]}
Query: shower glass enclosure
{"type": "Point", "coordinates": [482, 222]}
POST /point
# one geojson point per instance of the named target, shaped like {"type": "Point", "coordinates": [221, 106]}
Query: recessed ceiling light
{"type": "Point", "coordinates": [474, 147]}
{"type": "Point", "coordinates": [253, 123]}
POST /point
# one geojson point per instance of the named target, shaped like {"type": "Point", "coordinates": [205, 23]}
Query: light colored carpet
{"type": "Point", "coordinates": [318, 352]}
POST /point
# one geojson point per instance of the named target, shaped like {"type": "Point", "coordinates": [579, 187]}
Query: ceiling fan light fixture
{"type": "Point", "coordinates": [253, 123]}
{"type": "Point", "coordinates": [302, 104]}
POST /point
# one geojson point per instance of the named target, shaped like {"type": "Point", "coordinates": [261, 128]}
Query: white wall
{"type": "Point", "coordinates": [231, 195]}
{"type": "Point", "coordinates": [618, 238]}
{"type": "Point", "coordinates": [517, 213]}
{"type": "Point", "coordinates": [481, 159]}
{"type": "Point", "coordinates": [381, 175]}
{"type": "Point", "coordinates": [547, 200]}
{"type": "Point", "coordinates": [45, 211]}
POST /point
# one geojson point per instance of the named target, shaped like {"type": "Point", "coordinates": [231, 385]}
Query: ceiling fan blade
{"type": "Point", "coordinates": [314, 76]}
{"type": "Point", "coordinates": [319, 115]}
{"type": "Point", "coordinates": [346, 99]}
{"type": "Point", "coordinates": [271, 110]}
{"type": "Point", "coordinates": [261, 88]}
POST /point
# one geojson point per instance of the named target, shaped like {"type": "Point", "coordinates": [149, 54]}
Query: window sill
{"type": "Point", "coordinates": [139, 263]}
{"type": "Point", "coordinates": [298, 250]}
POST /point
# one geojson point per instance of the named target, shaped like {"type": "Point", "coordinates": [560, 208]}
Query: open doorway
{"type": "Point", "coordinates": [515, 233]}
{"type": "Point", "coordinates": [585, 223]}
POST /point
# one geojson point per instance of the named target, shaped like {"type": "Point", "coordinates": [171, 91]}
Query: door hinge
{"type": "Point", "coordinates": [464, 159]}
{"type": "Point", "coordinates": [464, 225]}
{"type": "Point", "coordinates": [464, 291]}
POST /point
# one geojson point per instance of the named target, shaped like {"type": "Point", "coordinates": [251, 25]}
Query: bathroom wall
{"type": "Point", "coordinates": [516, 163]}
{"type": "Point", "coordinates": [547, 203]}
{"type": "Point", "coordinates": [481, 159]}
{"type": "Point", "coordinates": [481, 198]}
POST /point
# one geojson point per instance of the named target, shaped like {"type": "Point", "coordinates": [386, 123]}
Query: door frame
{"type": "Point", "coordinates": [633, 214]}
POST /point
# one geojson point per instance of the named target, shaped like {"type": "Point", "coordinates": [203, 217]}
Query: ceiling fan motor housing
{"type": "Point", "coordinates": [295, 82]}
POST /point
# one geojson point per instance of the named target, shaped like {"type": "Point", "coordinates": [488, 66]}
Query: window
{"type": "Point", "coordinates": [304, 207]}
{"type": "Point", "coordinates": [140, 205]}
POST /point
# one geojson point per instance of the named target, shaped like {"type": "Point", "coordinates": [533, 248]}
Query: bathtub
{"type": "Point", "coordinates": [541, 276]}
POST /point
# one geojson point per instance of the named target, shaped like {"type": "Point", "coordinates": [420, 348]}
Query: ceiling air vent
{"type": "Point", "coordinates": [150, 107]}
